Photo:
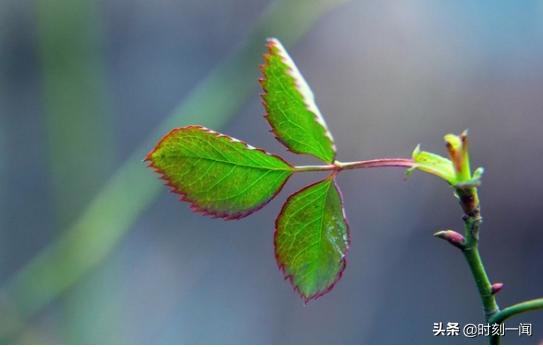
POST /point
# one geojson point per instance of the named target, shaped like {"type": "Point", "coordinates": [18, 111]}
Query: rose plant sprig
{"type": "Point", "coordinates": [221, 176]}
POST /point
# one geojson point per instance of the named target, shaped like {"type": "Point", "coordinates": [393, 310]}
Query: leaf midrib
{"type": "Point", "coordinates": [288, 168]}
{"type": "Point", "coordinates": [325, 203]}
{"type": "Point", "coordinates": [319, 242]}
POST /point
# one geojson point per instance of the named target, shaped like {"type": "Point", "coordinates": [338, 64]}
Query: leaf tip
{"type": "Point", "coordinates": [416, 152]}
{"type": "Point", "coordinates": [148, 157]}
{"type": "Point", "coordinates": [273, 44]}
{"type": "Point", "coordinates": [272, 41]}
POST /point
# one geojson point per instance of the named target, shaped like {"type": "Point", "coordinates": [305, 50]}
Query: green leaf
{"type": "Point", "coordinates": [312, 239]}
{"type": "Point", "coordinates": [219, 175]}
{"type": "Point", "coordinates": [433, 164]}
{"type": "Point", "coordinates": [290, 106]}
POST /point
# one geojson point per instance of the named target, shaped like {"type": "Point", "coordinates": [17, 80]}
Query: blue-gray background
{"type": "Point", "coordinates": [84, 85]}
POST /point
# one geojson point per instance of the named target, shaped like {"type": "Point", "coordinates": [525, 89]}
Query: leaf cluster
{"type": "Point", "coordinates": [224, 177]}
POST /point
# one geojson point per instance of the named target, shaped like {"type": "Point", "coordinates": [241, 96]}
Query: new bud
{"type": "Point", "coordinates": [452, 237]}
{"type": "Point", "coordinates": [496, 287]}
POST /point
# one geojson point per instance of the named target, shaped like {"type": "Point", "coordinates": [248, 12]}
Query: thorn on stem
{"type": "Point", "coordinates": [496, 287]}
{"type": "Point", "coordinates": [452, 237]}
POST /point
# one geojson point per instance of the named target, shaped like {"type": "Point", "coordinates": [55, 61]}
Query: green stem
{"type": "Point", "coordinates": [364, 164]}
{"type": "Point", "coordinates": [469, 200]}
{"type": "Point", "coordinates": [473, 258]}
{"type": "Point", "coordinates": [513, 310]}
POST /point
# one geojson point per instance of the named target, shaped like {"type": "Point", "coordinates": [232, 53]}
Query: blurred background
{"type": "Point", "coordinates": [94, 249]}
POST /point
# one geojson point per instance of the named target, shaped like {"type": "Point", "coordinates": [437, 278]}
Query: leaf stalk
{"type": "Point", "coordinates": [364, 164]}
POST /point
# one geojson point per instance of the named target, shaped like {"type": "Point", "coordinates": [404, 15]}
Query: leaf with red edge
{"type": "Point", "coordinates": [312, 238]}
{"type": "Point", "coordinates": [219, 175]}
{"type": "Point", "coordinates": [290, 106]}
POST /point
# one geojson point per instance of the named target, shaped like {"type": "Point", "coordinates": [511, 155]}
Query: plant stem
{"type": "Point", "coordinates": [519, 308]}
{"type": "Point", "coordinates": [364, 164]}
{"type": "Point", "coordinates": [469, 201]}
{"type": "Point", "coordinates": [513, 310]}
{"type": "Point", "coordinates": [471, 253]}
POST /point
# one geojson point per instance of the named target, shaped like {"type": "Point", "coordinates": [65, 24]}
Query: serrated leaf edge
{"type": "Point", "coordinates": [281, 266]}
{"type": "Point", "coordinates": [304, 89]}
{"type": "Point", "coordinates": [193, 204]}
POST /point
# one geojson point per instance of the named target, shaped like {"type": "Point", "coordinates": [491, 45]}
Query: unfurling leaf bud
{"type": "Point", "coordinates": [496, 287]}
{"type": "Point", "coordinates": [433, 164]}
{"type": "Point", "coordinates": [452, 237]}
{"type": "Point", "coordinates": [457, 146]}
{"type": "Point", "coordinates": [456, 170]}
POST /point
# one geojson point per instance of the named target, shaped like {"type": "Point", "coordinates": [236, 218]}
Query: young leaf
{"type": "Point", "coordinates": [290, 106]}
{"type": "Point", "coordinates": [312, 238]}
{"type": "Point", "coordinates": [219, 175]}
{"type": "Point", "coordinates": [433, 164]}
